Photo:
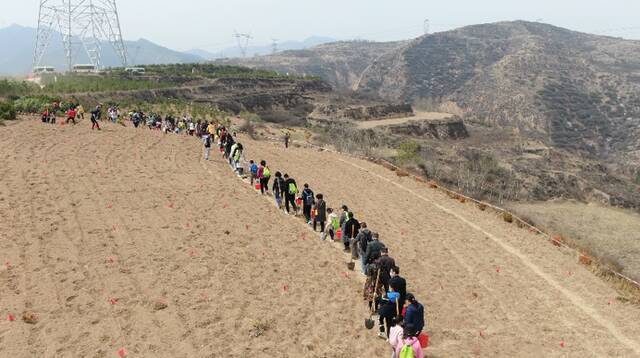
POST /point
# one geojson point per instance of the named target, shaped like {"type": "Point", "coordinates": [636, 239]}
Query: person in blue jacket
{"type": "Point", "coordinates": [414, 315]}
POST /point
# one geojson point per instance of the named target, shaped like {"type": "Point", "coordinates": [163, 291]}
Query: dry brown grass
{"type": "Point", "coordinates": [507, 217]}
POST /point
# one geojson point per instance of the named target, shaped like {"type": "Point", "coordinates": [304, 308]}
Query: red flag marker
{"type": "Point", "coordinates": [109, 206]}
{"type": "Point", "coordinates": [7, 264]}
{"type": "Point", "coordinates": [188, 225]}
{"type": "Point", "coordinates": [192, 253]}
{"type": "Point", "coordinates": [113, 228]}
{"type": "Point", "coordinates": [498, 269]}
{"type": "Point", "coordinates": [122, 352]}
{"type": "Point", "coordinates": [110, 259]}
{"type": "Point", "coordinates": [225, 206]}
{"type": "Point", "coordinates": [285, 287]}
{"type": "Point", "coordinates": [11, 317]}
{"type": "Point", "coordinates": [481, 334]}
{"type": "Point", "coordinates": [113, 301]}
{"type": "Point", "coordinates": [345, 275]}
{"type": "Point", "coordinates": [246, 226]}
{"type": "Point", "coordinates": [562, 344]}
{"type": "Point", "coordinates": [170, 206]}
{"type": "Point", "coordinates": [569, 273]}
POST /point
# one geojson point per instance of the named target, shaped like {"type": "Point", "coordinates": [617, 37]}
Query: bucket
{"type": "Point", "coordinates": [423, 338]}
{"type": "Point", "coordinates": [257, 186]}
{"type": "Point", "coordinates": [298, 201]}
{"type": "Point", "coordinates": [339, 234]}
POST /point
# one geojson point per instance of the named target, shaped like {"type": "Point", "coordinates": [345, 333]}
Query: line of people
{"type": "Point", "coordinates": [400, 314]}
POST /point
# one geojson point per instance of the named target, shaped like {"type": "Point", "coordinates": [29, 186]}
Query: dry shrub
{"type": "Point", "coordinates": [402, 173]}
{"type": "Point", "coordinates": [507, 217]}
{"type": "Point", "coordinates": [433, 184]}
{"type": "Point", "coordinates": [462, 199]}
{"type": "Point", "coordinates": [482, 206]}
{"type": "Point", "coordinates": [260, 327]}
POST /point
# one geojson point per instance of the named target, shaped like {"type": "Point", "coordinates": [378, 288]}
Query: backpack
{"type": "Point", "coordinates": [266, 173]}
{"type": "Point", "coordinates": [406, 351]}
{"type": "Point", "coordinates": [293, 189]}
{"type": "Point", "coordinates": [207, 142]}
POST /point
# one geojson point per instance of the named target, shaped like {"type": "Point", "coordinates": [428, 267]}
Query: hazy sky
{"type": "Point", "coordinates": [209, 24]}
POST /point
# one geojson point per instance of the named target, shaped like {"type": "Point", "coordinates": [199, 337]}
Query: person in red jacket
{"type": "Point", "coordinates": [71, 115]}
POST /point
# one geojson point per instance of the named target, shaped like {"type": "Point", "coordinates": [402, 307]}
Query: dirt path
{"type": "Point", "coordinates": [420, 116]}
{"type": "Point", "coordinates": [138, 217]}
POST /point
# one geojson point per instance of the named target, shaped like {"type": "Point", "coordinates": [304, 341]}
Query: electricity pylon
{"type": "Point", "coordinates": [82, 23]}
{"type": "Point", "coordinates": [243, 42]}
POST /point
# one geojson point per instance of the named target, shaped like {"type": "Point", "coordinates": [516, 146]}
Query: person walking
{"type": "Point", "coordinates": [80, 111]}
{"type": "Point", "coordinates": [253, 171]}
{"type": "Point", "coordinates": [374, 249]}
{"type": "Point", "coordinates": [71, 116]}
{"type": "Point", "coordinates": [95, 117]}
{"type": "Point", "coordinates": [307, 202]}
{"type": "Point", "coordinates": [207, 146]}
{"type": "Point", "coordinates": [290, 194]}
{"type": "Point", "coordinates": [361, 242]}
{"type": "Point", "coordinates": [414, 314]}
{"type": "Point", "coordinates": [287, 138]}
{"type": "Point", "coordinates": [386, 263]}
{"type": "Point", "coordinates": [396, 334]}
{"type": "Point", "coordinates": [351, 229]}
{"type": "Point", "coordinates": [264, 174]}
{"type": "Point", "coordinates": [398, 284]}
{"type": "Point", "coordinates": [320, 213]}
{"type": "Point", "coordinates": [409, 346]}
{"type": "Point", "coordinates": [279, 189]}
{"type": "Point", "coordinates": [332, 225]}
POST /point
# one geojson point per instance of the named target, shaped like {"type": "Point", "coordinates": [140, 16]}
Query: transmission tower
{"type": "Point", "coordinates": [426, 27]}
{"type": "Point", "coordinates": [85, 24]}
{"type": "Point", "coordinates": [243, 42]}
{"type": "Point", "coordinates": [274, 46]}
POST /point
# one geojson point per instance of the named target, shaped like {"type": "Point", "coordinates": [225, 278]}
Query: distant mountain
{"type": "Point", "coordinates": [234, 52]}
{"type": "Point", "coordinates": [18, 43]}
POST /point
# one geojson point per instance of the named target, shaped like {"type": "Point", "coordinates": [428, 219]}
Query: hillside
{"type": "Point", "coordinates": [573, 90]}
{"type": "Point", "coordinates": [21, 42]}
{"type": "Point", "coordinates": [127, 239]}
{"type": "Point", "coordinates": [339, 63]}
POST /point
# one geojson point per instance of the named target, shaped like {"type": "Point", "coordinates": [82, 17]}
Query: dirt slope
{"type": "Point", "coordinates": [71, 200]}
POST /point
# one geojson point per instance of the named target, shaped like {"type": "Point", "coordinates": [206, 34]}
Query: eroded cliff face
{"type": "Point", "coordinates": [453, 128]}
{"type": "Point", "coordinates": [363, 113]}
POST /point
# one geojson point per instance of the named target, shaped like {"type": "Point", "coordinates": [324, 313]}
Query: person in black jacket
{"type": "Point", "coordinates": [279, 189]}
{"type": "Point", "coordinates": [374, 249]}
{"type": "Point", "coordinates": [320, 216]}
{"type": "Point", "coordinates": [386, 263]}
{"type": "Point", "coordinates": [414, 315]}
{"type": "Point", "coordinates": [398, 284]}
{"type": "Point", "coordinates": [307, 202]}
{"type": "Point", "coordinates": [351, 229]}
{"type": "Point", "coordinates": [290, 194]}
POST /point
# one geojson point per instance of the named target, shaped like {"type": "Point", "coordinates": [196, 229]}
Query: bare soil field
{"type": "Point", "coordinates": [613, 233]}
{"type": "Point", "coordinates": [126, 238]}
{"type": "Point", "coordinates": [420, 116]}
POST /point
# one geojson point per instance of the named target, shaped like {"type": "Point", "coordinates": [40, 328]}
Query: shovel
{"type": "Point", "coordinates": [351, 265]}
{"type": "Point", "coordinates": [369, 323]}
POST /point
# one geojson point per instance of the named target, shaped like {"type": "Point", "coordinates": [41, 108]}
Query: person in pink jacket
{"type": "Point", "coordinates": [411, 340]}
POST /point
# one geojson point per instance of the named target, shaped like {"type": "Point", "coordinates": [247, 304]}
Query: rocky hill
{"type": "Point", "coordinates": [572, 90]}
{"type": "Point", "coordinates": [339, 63]}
